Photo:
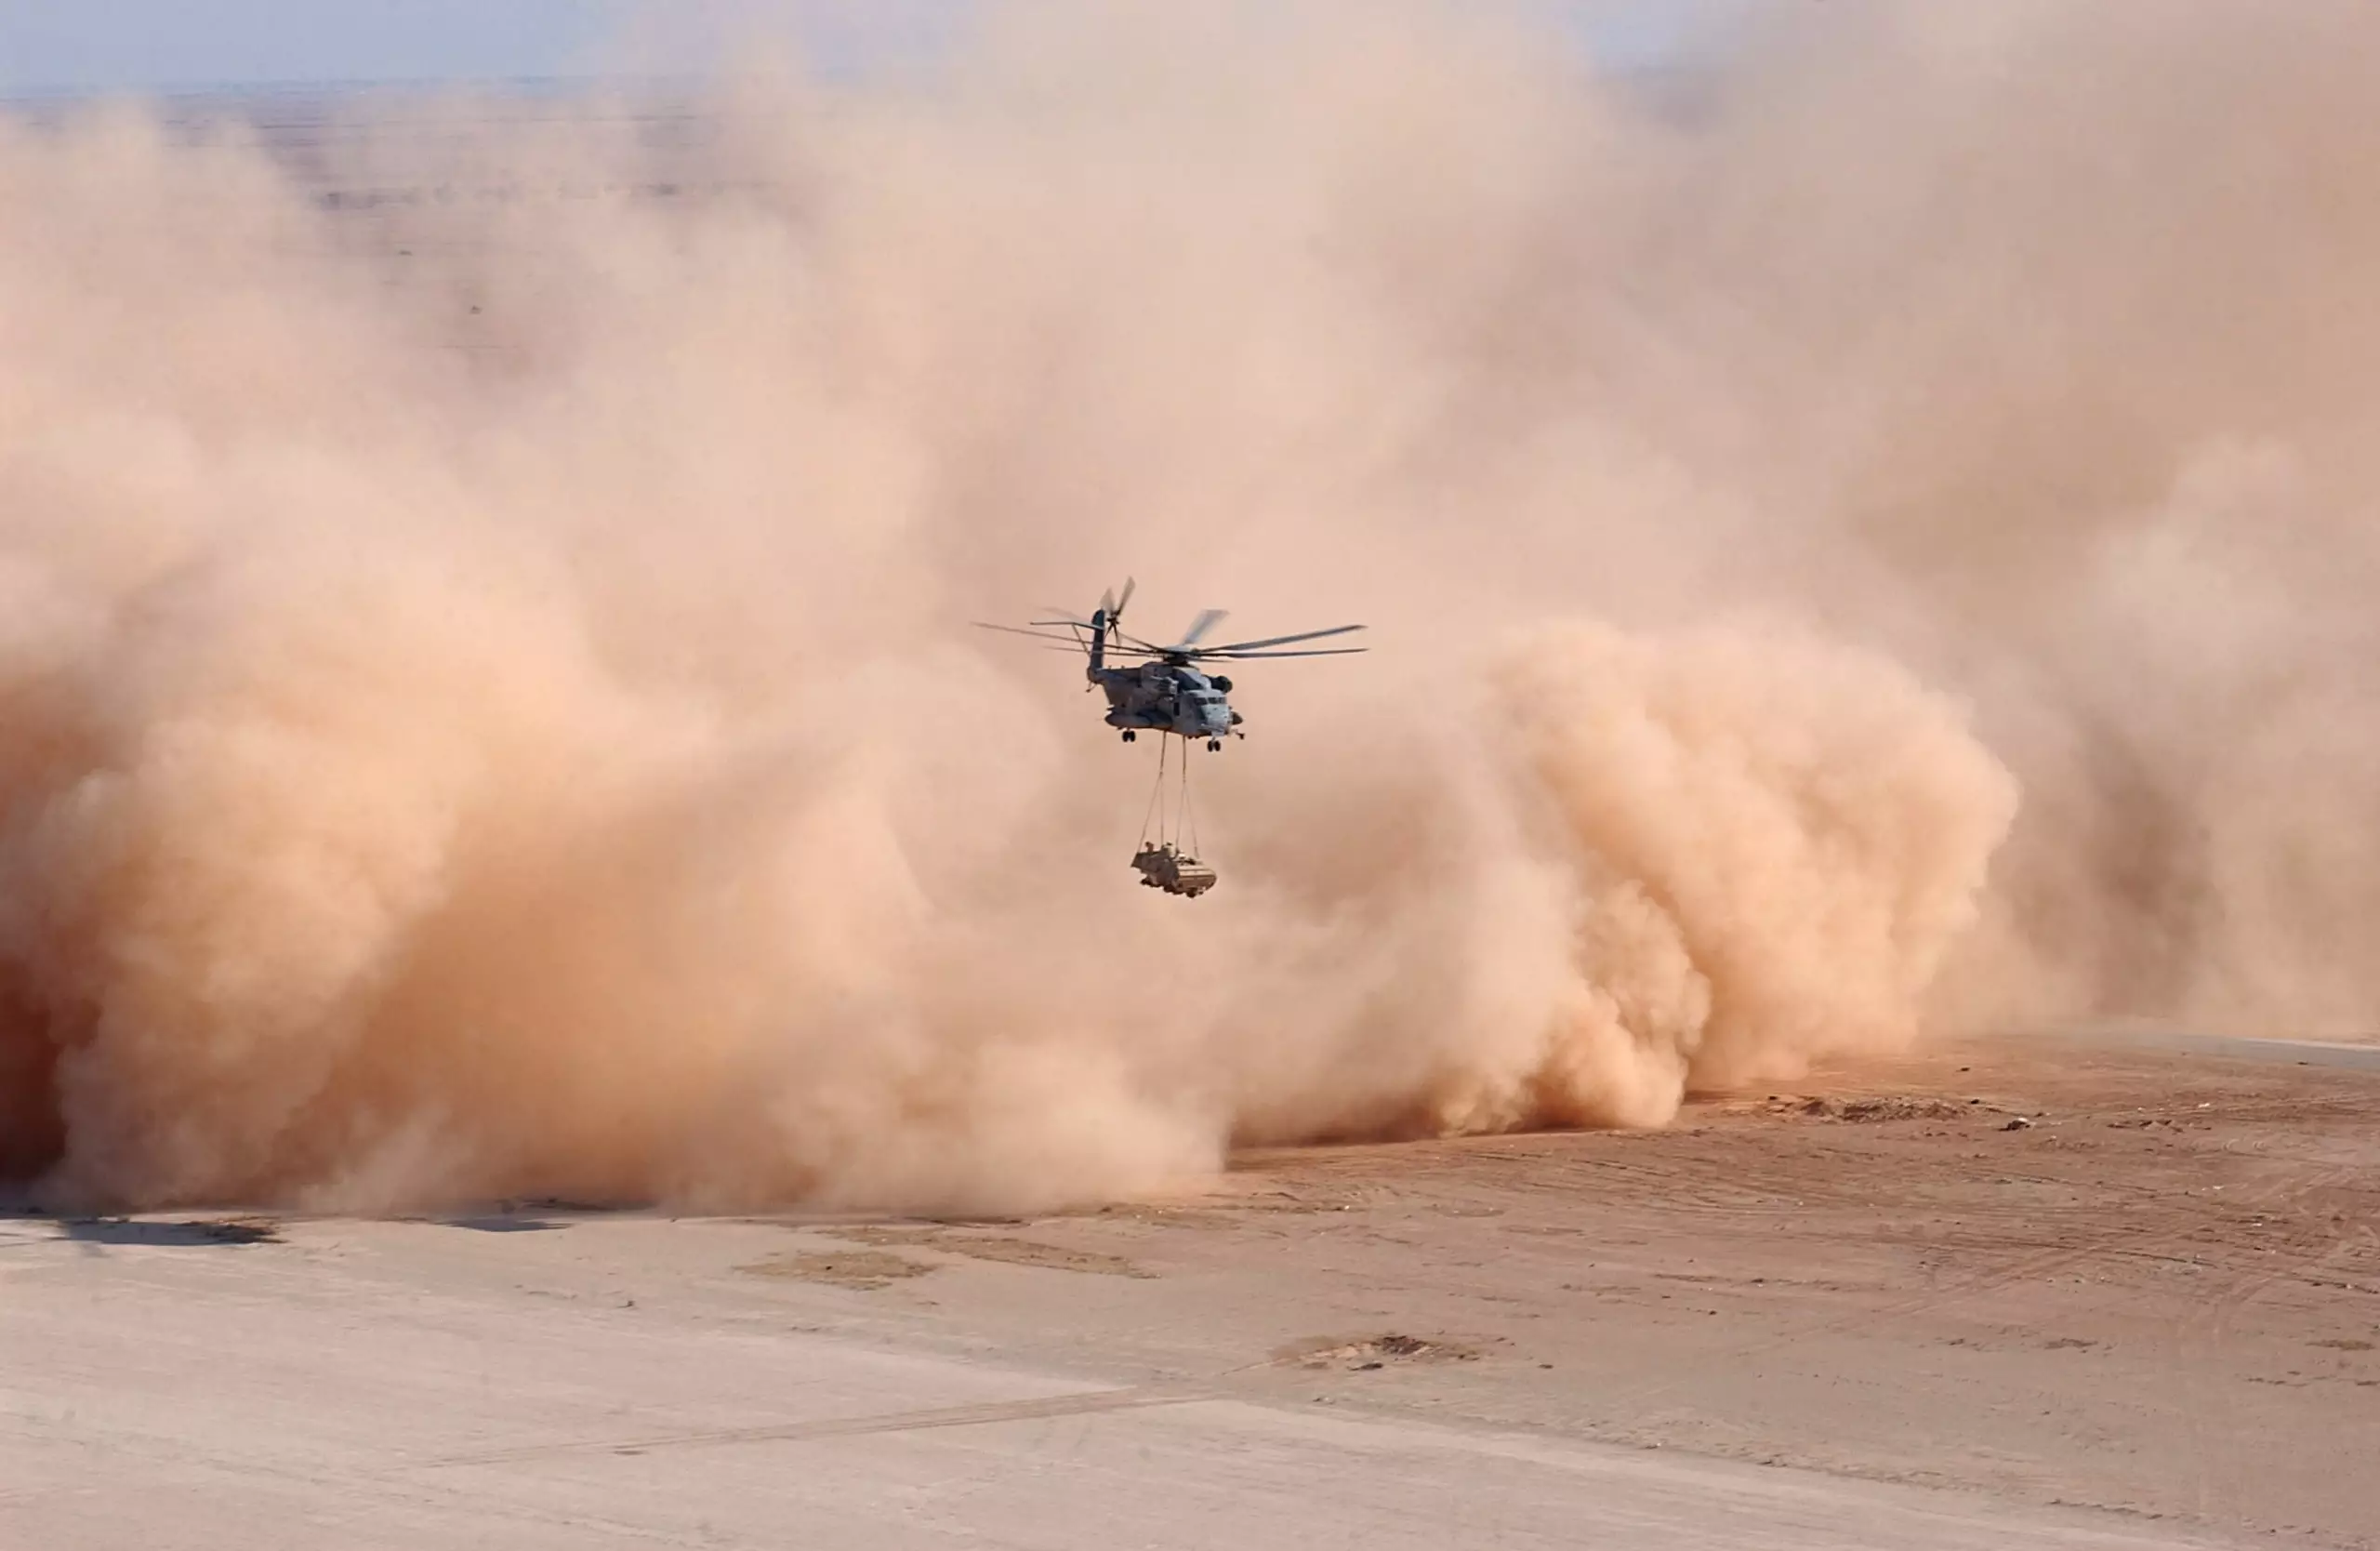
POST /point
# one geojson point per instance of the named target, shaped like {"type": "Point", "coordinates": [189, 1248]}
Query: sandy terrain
{"type": "Point", "coordinates": [1879, 1317]}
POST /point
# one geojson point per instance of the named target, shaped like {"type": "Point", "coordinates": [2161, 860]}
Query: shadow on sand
{"type": "Point", "coordinates": [501, 1225]}
{"type": "Point", "coordinates": [194, 1233]}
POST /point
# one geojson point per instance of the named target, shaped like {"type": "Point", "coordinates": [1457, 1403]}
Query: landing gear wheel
{"type": "Point", "coordinates": [1214, 746]}
{"type": "Point", "coordinates": [1127, 736]}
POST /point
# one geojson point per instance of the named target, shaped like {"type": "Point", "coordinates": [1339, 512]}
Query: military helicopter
{"type": "Point", "coordinates": [1162, 689]}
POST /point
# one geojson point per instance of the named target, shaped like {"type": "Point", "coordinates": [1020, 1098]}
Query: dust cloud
{"type": "Point", "coordinates": [487, 705]}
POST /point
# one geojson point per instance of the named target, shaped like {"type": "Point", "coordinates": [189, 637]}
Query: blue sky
{"type": "Point", "coordinates": [143, 44]}
{"type": "Point", "coordinates": [79, 46]}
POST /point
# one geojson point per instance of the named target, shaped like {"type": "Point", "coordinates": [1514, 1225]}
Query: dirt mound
{"type": "Point", "coordinates": [1376, 1351]}
{"type": "Point", "coordinates": [1896, 1107]}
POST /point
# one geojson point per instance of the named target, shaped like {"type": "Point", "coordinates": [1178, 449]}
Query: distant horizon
{"type": "Point", "coordinates": [352, 83]}
{"type": "Point", "coordinates": [64, 50]}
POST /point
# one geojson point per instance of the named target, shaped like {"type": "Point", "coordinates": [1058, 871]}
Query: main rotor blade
{"type": "Point", "coordinates": [1207, 619]}
{"type": "Point", "coordinates": [1038, 635]}
{"type": "Point", "coordinates": [1061, 618]}
{"type": "Point", "coordinates": [1310, 651]}
{"type": "Point", "coordinates": [1282, 639]}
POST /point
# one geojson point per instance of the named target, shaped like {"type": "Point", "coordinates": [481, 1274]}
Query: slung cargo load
{"type": "Point", "coordinates": [1175, 871]}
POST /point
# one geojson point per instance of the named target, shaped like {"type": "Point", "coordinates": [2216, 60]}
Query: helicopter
{"type": "Point", "coordinates": [1163, 689]}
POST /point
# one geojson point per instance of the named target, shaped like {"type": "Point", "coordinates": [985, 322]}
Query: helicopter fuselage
{"type": "Point", "coordinates": [1165, 690]}
{"type": "Point", "coordinates": [1167, 697]}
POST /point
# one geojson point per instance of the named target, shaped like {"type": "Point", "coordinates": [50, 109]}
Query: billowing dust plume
{"type": "Point", "coordinates": [487, 708]}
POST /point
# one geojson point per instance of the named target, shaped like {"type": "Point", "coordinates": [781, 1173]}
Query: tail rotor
{"type": "Point", "coordinates": [1111, 610]}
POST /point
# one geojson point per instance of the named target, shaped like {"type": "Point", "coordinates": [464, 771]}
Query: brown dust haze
{"type": "Point", "coordinates": [1872, 532]}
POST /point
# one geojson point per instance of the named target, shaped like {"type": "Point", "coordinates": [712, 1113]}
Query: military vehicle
{"type": "Point", "coordinates": [1168, 867]}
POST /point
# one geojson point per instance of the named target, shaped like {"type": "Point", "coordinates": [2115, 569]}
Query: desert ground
{"type": "Point", "coordinates": [2036, 1292]}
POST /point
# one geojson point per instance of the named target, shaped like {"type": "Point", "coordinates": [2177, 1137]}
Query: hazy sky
{"type": "Point", "coordinates": [51, 46]}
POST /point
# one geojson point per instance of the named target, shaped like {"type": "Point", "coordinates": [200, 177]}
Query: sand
{"type": "Point", "coordinates": [1878, 1312]}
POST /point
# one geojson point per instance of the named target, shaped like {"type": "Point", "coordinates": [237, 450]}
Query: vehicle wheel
{"type": "Point", "coordinates": [1214, 746]}
{"type": "Point", "coordinates": [1127, 736]}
